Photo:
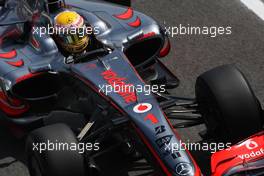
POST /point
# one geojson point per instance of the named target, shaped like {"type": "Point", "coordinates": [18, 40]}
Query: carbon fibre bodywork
{"type": "Point", "coordinates": [119, 28]}
{"type": "Point", "coordinates": [115, 32]}
{"type": "Point", "coordinates": [161, 141]}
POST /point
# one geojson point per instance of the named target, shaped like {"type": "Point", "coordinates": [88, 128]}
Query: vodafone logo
{"type": "Point", "coordinates": [142, 108]}
{"type": "Point", "coordinates": [249, 144]}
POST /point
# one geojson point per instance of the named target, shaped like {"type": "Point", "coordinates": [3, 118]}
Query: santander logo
{"type": "Point", "coordinates": [114, 80]}
{"type": "Point", "coordinates": [142, 108]}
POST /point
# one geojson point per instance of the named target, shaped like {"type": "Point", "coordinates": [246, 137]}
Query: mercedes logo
{"type": "Point", "coordinates": [184, 169]}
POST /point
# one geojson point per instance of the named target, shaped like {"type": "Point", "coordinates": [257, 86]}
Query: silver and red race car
{"type": "Point", "coordinates": [56, 97]}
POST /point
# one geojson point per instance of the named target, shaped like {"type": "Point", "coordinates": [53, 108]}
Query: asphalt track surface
{"type": "Point", "coordinates": [191, 55]}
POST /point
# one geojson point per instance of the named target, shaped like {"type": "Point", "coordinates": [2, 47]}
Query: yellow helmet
{"type": "Point", "coordinates": [70, 32]}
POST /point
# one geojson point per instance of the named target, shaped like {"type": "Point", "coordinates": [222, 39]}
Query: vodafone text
{"type": "Point", "coordinates": [252, 154]}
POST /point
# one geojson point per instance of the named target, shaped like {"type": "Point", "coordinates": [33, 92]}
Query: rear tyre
{"type": "Point", "coordinates": [53, 162]}
{"type": "Point", "coordinates": [230, 108]}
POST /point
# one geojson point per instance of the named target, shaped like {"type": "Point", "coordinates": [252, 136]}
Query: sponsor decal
{"type": "Point", "coordinates": [256, 149]}
{"type": "Point", "coordinates": [142, 108]}
{"type": "Point", "coordinates": [152, 118]}
{"type": "Point", "coordinates": [164, 141]}
{"type": "Point", "coordinates": [184, 169]}
{"type": "Point", "coordinates": [249, 144]}
{"type": "Point", "coordinates": [253, 154]}
{"type": "Point", "coordinates": [176, 155]}
{"type": "Point", "coordinates": [160, 129]}
{"type": "Point", "coordinates": [113, 79]}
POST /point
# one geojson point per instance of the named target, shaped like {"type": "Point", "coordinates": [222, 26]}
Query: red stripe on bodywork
{"type": "Point", "coordinates": [141, 135]}
{"type": "Point", "coordinates": [126, 15]}
{"type": "Point", "coordinates": [18, 63]}
{"type": "Point", "coordinates": [197, 169]}
{"type": "Point", "coordinates": [8, 55]}
{"type": "Point", "coordinates": [135, 23]}
{"type": "Point", "coordinates": [148, 35]}
{"type": "Point", "coordinates": [12, 107]}
{"type": "Point", "coordinates": [166, 48]}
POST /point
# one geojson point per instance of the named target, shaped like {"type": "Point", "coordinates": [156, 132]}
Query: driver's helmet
{"type": "Point", "coordinates": [70, 32]}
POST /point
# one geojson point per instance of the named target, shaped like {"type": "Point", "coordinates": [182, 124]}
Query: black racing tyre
{"type": "Point", "coordinates": [121, 2]}
{"type": "Point", "coordinates": [229, 106]}
{"type": "Point", "coordinates": [54, 162]}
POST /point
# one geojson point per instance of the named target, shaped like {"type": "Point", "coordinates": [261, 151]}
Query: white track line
{"type": "Point", "coordinates": [257, 6]}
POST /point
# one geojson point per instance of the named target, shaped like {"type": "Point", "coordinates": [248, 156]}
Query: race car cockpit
{"type": "Point", "coordinates": [69, 27]}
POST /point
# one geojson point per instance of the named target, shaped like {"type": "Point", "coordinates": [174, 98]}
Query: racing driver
{"type": "Point", "coordinates": [72, 35]}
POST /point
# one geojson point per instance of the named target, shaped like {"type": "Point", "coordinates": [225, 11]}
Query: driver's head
{"type": "Point", "coordinates": [70, 32]}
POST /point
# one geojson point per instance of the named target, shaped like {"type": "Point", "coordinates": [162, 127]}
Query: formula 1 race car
{"type": "Point", "coordinates": [55, 86]}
